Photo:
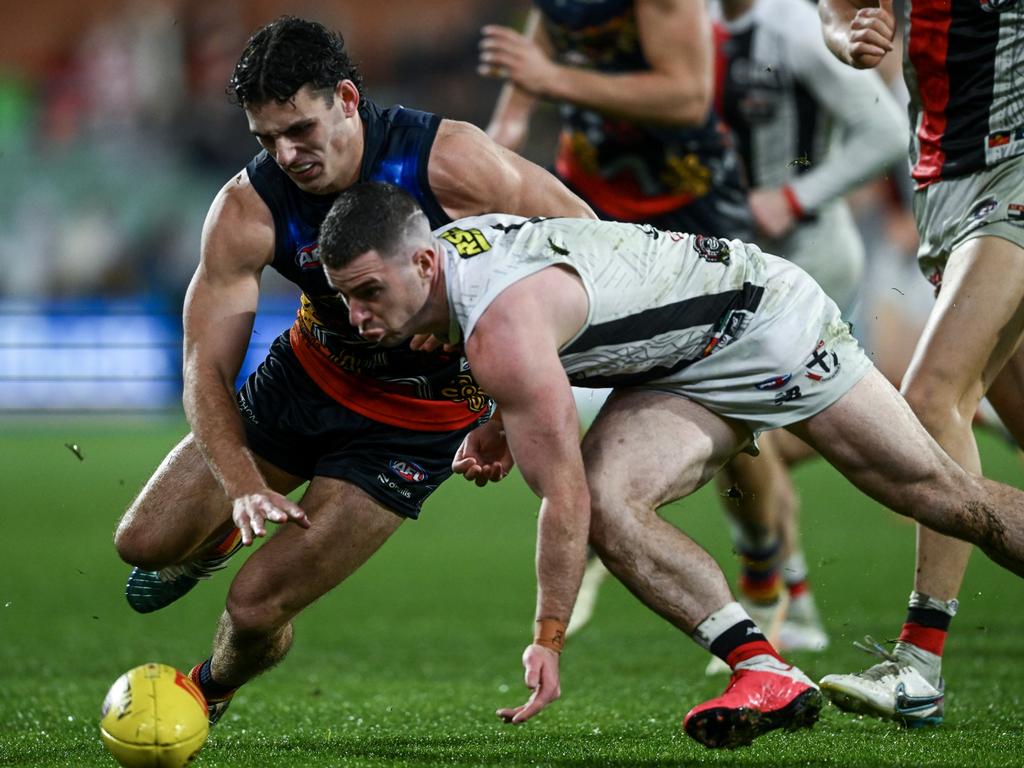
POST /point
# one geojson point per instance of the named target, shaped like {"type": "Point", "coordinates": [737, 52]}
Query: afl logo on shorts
{"type": "Point", "coordinates": [996, 6]}
{"type": "Point", "coordinates": [775, 382]}
{"type": "Point", "coordinates": [308, 258]}
{"type": "Point", "coordinates": [712, 249]}
{"type": "Point", "coordinates": [408, 471]}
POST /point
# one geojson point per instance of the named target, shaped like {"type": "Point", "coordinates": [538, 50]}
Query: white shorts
{"type": "Point", "coordinates": [795, 359]}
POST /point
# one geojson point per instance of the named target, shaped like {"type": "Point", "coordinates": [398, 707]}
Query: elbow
{"type": "Point", "coordinates": [691, 106]}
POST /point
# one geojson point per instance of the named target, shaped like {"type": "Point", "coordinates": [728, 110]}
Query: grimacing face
{"type": "Point", "coordinates": [319, 146]}
{"type": "Point", "coordinates": [384, 295]}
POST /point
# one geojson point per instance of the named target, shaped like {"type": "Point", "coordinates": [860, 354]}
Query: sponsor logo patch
{"type": "Point", "coordinates": [308, 257]}
{"type": "Point", "coordinates": [775, 382]}
{"type": "Point", "coordinates": [791, 394]}
{"type": "Point", "coordinates": [712, 249]}
{"type": "Point", "coordinates": [983, 208]}
{"type": "Point", "coordinates": [1015, 213]}
{"type": "Point", "coordinates": [394, 487]}
{"type": "Point", "coordinates": [467, 242]}
{"type": "Point", "coordinates": [411, 473]}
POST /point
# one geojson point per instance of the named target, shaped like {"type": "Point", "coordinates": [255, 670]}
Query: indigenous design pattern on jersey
{"type": "Point", "coordinates": [393, 385]}
{"type": "Point", "coordinates": [721, 323]}
{"type": "Point", "coordinates": [631, 171]}
{"type": "Point", "coordinates": [964, 66]}
{"type": "Point", "coordinates": [659, 301]}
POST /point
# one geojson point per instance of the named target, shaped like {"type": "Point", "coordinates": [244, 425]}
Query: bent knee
{"type": "Point", "coordinates": [938, 404]}
{"type": "Point", "coordinates": [615, 520]}
{"type": "Point", "coordinates": [256, 609]}
{"type": "Point", "coordinates": [142, 545]}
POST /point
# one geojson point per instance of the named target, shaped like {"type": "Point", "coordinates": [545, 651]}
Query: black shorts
{"type": "Point", "coordinates": [293, 424]}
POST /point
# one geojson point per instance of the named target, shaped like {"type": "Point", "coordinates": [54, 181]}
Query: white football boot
{"type": "Point", "coordinates": [894, 689]}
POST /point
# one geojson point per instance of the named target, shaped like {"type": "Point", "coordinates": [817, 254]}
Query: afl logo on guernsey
{"type": "Point", "coordinates": [996, 6]}
{"type": "Point", "coordinates": [408, 471]}
{"type": "Point", "coordinates": [308, 257]}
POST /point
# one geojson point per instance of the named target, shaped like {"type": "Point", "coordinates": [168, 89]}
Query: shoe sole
{"type": "Point", "coordinates": [724, 728]}
{"type": "Point", "coordinates": [849, 702]}
{"type": "Point", "coordinates": [145, 592]}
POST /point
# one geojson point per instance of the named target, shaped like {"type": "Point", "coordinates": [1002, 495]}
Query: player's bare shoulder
{"type": "Point", "coordinates": [239, 228]}
{"type": "Point", "coordinates": [470, 174]}
{"type": "Point", "coordinates": [467, 169]}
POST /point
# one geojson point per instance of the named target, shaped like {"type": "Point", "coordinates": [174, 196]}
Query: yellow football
{"type": "Point", "coordinates": [154, 717]}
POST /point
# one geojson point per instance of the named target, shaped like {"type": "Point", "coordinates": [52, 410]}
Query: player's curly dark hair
{"type": "Point", "coordinates": [287, 54]}
{"type": "Point", "coordinates": [372, 216]}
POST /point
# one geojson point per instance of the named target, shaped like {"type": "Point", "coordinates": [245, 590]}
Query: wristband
{"type": "Point", "coordinates": [550, 634]}
{"type": "Point", "coordinates": [794, 205]}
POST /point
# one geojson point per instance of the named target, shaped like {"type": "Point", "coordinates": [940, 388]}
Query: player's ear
{"type": "Point", "coordinates": [347, 93]}
{"type": "Point", "coordinates": [425, 261]}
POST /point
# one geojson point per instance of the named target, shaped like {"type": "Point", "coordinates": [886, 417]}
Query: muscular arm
{"type": "Point", "coordinates": [677, 89]}
{"type": "Point", "coordinates": [238, 241]}
{"type": "Point", "coordinates": [471, 175]}
{"type": "Point", "coordinates": [513, 351]}
{"type": "Point", "coordinates": [858, 32]}
{"type": "Point", "coordinates": [219, 309]}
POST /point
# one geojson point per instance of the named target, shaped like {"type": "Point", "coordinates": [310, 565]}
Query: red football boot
{"type": "Point", "coordinates": [763, 694]}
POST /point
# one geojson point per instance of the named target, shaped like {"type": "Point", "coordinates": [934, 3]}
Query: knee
{"type": "Point", "coordinates": [141, 544]}
{"type": "Point", "coordinates": [254, 609]}
{"type": "Point", "coordinates": [937, 405]}
{"type": "Point", "coordinates": [614, 521]}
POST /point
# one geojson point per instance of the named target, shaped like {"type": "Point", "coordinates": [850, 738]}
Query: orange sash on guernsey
{"type": "Point", "coordinates": [373, 400]}
{"type": "Point", "coordinates": [620, 199]}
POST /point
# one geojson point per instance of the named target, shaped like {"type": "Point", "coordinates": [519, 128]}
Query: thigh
{"type": "Point", "coordinates": [652, 448]}
{"type": "Point", "coordinates": [977, 321]}
{"type": "Point", "coordinates": [183, 505]}
{"type": "Point", "coordinates": [873, 438]}
{"type": "Point", "coordinates": [298, 565]}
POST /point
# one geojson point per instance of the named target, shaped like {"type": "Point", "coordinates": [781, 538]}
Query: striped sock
{"type": "Point", "coordinates": [760, 575]}
{"type": "Point", "coordinates": [928, 622]}
{"type": "Point", "coordinates": [731, 635]}
{"type": "Point", "coordinates": [202, 676]}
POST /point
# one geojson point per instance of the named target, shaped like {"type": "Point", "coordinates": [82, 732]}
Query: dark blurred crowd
{"type": "Point", "coordinates": [114, 138]}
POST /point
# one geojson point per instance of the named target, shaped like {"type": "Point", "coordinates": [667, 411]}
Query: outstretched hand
{"type": "Point", "coordinates": [541, 666]}
{"type": "Point", "coordinates": [871, 36]}
{"type": "Point", "coordinates": [251, 511]}
{"type": "Point", "coordinates": [484, 456]}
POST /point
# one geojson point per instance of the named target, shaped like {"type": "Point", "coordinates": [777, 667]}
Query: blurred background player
{"type": "Point", "coordinates": [808, 130]}
{"type": "Point", "coordinates": [639, 139]}
{"type": "Point", "coordinates": [962, 64]}
{"type": "Point", "coordinates": [374, 431]}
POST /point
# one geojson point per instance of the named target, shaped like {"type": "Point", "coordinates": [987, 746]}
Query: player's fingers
{"type": "Point", "coordinates": [461, 465]}
{"type": "Point", "coordinates": [508, 713]}
{"type": "Point", "coordinates": [242, 522]}
{"type": "Point", "coordinates": [536, 703]}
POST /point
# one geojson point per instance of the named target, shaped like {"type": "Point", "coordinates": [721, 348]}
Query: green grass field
{"type": "Point", "coordinates": [405, 664]}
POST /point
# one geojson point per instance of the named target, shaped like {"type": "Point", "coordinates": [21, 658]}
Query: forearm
{"type": "Point", "coordinates": [562, 532]}
{"type": "Point", "coordinates": [509, 125]}
{"type": "Point", "coordinates": [212, 412]}
{"type": "Point", "coordinates": [655, 97]}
